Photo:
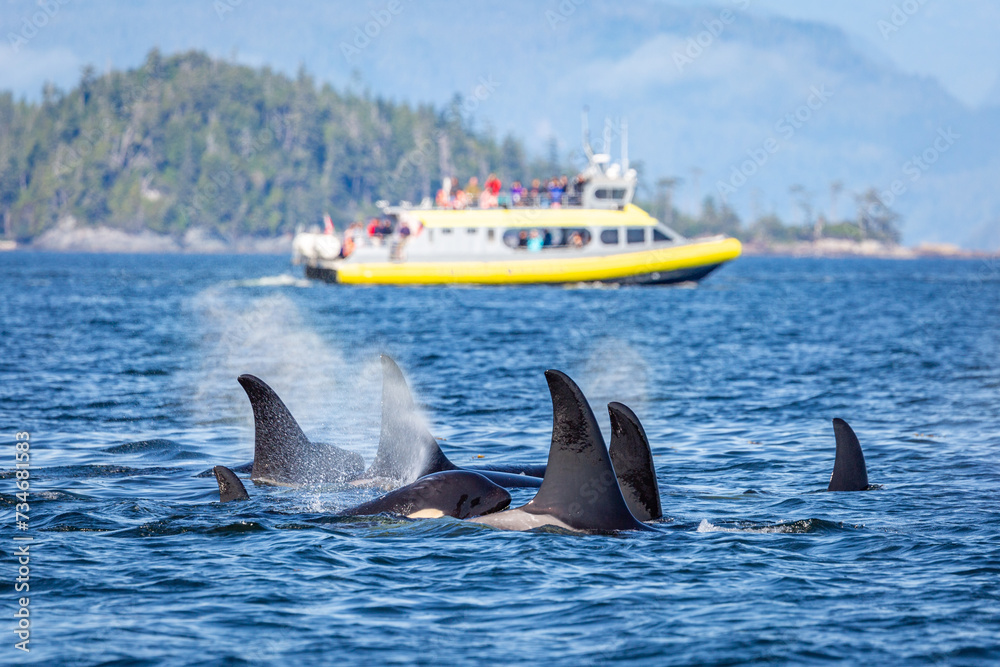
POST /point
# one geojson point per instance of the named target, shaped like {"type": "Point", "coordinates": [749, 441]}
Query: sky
{"type": "Point", "coordinates": [957, 42]}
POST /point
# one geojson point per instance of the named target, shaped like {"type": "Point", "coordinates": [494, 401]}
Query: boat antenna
{"type": "Point", "coordinates": [624, 146]}
{"type": "Point", "coordinates": [586, 135]}
{"type": "Point", "coordinates": [607, 137]}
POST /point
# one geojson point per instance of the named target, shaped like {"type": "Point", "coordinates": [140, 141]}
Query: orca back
{"type": "Point", "coordinates": [456, 493]}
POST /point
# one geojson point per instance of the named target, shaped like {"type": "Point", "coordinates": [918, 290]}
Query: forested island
{"type": "Point", "coordinates": [192, 152]}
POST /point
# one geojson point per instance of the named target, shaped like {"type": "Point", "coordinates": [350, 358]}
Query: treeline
{"type": "Point", "coordinates": [872, 220]}
{"type": "Point", "coordinates": [189, 141]}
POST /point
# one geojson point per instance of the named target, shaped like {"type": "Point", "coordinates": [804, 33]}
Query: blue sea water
{"type": "Point", "coordinates": [123, 370]}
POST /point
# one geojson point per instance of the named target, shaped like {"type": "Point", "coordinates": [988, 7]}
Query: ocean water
{"type": "Point", "coordinates": [123, 370]}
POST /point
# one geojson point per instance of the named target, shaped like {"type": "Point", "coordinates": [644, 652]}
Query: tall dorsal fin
{"type": "Point", "coordinates": [406, 449]}
{"type": "Point", "coordinates": [230, 486]}
{"type": "Point", "coordinates": [282, 454]}
{"type": "Point", "coordinates": [633, 462]}
{"type": "Point", "coordinates": [849, 470]}
{"type": "Point", "coordinates": [580, 488]}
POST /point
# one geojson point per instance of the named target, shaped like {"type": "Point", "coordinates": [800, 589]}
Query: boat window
{"type": "Point", "coordinates": [430, 236]}
{"type": "Point", "coordinates": [635, 235]}
{"type": "Point", "coordinates": [491, 234]}
{"type": "Point", "coordinates": [609, 237]}
{"type": "Point", "coordinates": [446, 230]}
{"type": "Point", "coordinates": [471, 230]}
{"type": "Point", "coordinates": [544, 239]}
{"type": "Point", "coordinates": [660, 236]}
{"type": "Point", "coordinates": [615, 193]}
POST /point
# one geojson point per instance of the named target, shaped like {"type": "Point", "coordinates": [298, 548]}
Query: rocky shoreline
{"type": "Point", "coordinates": [834, 248]}
{"type": "Point", "coordinates": [69, 237]}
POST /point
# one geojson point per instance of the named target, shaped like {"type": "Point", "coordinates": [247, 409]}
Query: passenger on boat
{"type": "Point", "coordinates": [576, 240]}
{"type": "Point", "coordinates": [472, 189]}
{"type": "Point", "coordinates": [461, 200]}
{"type": "Point", "coordinates": [535, 241]}
{"type": "Point", "coordinates": [516, 193]}
{"type": "Point", "coordinates": [399, 247]}
{"type": "Point", "coordinates": [491, 193]}
{"type": "Point", "coordinates": [555, 192]}
{"type": "Point", "coordinates": [443, 198]}
{"type": "Point", "coordinates": [373, 228]}
{"type": "Point", "coordinates": [534, 194]}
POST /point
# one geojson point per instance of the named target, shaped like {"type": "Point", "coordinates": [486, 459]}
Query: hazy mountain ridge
{"type": "Point", "coordinates": [620, 60]}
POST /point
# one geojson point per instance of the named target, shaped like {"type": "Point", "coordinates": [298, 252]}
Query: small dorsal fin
{"type": "Point", "coordinates": [283, 455]}
{"type": "Point", "coordinates": [406, 449]}
{"type": "Point", "coordinates": [633, 462]}
{"type": "Point", "coordinates": [849, 470]}
{"type": "Point", "coordinates": [230, 486]}
{"type": "Point", "coordinates": [580, 488]}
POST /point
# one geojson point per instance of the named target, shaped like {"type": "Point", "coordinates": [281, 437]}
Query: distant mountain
{"type": "Point", "coordinates": [705, 91]}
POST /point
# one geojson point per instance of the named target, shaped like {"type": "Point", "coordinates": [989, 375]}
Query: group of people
{"type": "Point", "coordinates": [376, 232]}
{"type": "Point", "coordinates": [553, 193]}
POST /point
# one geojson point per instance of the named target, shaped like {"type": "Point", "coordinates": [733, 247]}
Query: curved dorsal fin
{"type": "Point", "coordinates": [406, 449]}
{"type": "Point", "coordinates": [633, 462]}
{"type": "Point", "coordinates": [849, 470]}
{"type": "Point", "coordinates": [282, 453]}
{"type": "Point", "coordinates": [580, 488]}
{"type": "Point", "coordinates": [230, 486]}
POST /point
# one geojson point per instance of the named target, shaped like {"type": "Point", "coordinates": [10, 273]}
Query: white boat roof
{"type": "Point", "coordinates": [526, 217]}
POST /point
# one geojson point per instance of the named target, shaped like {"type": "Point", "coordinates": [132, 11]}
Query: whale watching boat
{"type": "Point", "coordinates": [588, 232]}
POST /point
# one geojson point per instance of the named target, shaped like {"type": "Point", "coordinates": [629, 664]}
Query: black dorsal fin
{"type": "Point", "coordinates": [230, 486]}
{"type": "Point", "coordinates": [633, 462]}
{"type": "Point", "coordinates": [849, 470]}
{"type": "Point", "coordinates": [406, 449]}
{"type": "Point", "coordinates": [580, 488]}
{"type": "Point", "coordinates": [282, 453]}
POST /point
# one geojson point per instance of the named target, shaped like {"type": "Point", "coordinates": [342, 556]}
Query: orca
{"type": "Point", "coordinates": [230, 486]}
{"type": "Point", "coordinates": [580, 490]}
{"type": "Point", "coordinates": [283, 455]}
{"type": "Point", "coordinates": [456, 493]}
{"type": "Point", "coordinates": [633, 462]}
{"type": "Point", "coordinates": [849, 470]}
{"type": "Point", "coordinates": [408, 451]}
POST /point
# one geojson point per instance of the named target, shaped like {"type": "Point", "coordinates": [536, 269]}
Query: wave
{"type": "Point", "coordinates": [800, 526]}
{"type": "Point", "coordinates": [280, 280]}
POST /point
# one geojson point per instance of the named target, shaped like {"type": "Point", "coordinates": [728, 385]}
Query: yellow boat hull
{"type": "Point", "coordinates": [690, 261]}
